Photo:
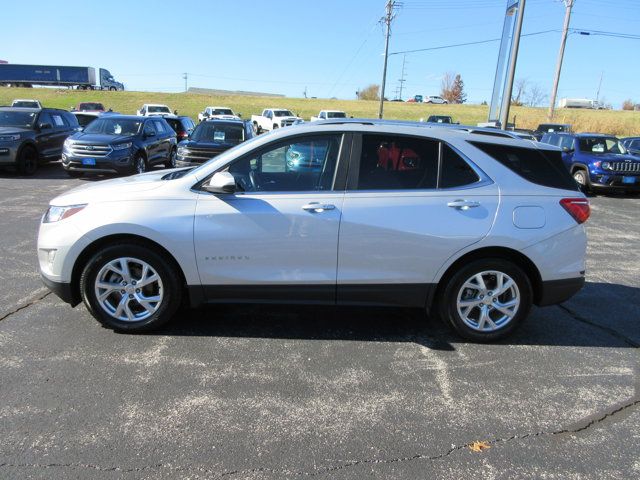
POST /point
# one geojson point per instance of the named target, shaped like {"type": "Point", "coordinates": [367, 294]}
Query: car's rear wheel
{"type": "Point", "coordinates": [28, 161]}
{"type": "Point", "coordinates": [171, 163]}
{"type": "Point", "coordinates": [486, 299]}
{"type": "Point", "coordinates": [131, 288]}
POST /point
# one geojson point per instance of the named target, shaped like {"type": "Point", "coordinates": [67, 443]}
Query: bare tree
{"type": "Point", "coordinates": [628, 104]}
{"type": "Point", "coordinates": [535, 96]}
{"type": "Point", "coordinates": [519, 91]}
{"type": "Point", "coordinates": [447, 86]}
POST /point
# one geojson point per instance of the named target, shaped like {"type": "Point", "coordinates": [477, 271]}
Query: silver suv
{"type": "Point", "coordinates": [472, 227]}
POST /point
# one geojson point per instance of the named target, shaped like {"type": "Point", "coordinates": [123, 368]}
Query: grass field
{"type": "Point", "coordinates": [621, 123]}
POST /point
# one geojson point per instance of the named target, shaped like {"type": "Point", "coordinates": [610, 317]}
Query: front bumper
{"type": "Point", "coordinates": [615, 181]}
{"type": "Point", "coordinates": [120, 162]}
{"type": "Point", "coordinates": [62, 291]}
{"type": "Point", "coordinates": [8, 153]}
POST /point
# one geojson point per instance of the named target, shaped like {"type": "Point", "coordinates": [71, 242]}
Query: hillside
{"type": "Point", "coordinates": [621, 123]}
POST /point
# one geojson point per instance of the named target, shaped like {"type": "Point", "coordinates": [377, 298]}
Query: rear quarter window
{"type": "Point", "coordinates": [542, 167]}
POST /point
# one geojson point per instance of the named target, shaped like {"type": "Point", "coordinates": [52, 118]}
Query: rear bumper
{"type": "Point", "coordinates": [62, 290]}
{"type": "Point", "coordinates": [558, 291]}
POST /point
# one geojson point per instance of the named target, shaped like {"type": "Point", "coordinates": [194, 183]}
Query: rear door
{"type": "Point", "coordinates": [46, 138]}
{"type": "Point", "coordinates": [151, 141]}
{"type": "Point", "coordinates": [411, 203]}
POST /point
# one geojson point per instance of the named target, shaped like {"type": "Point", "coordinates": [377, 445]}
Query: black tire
{"type": "Point", "coordinates": [582, 179]}
{"type": "Point", "coordinates": [28, 161]}
{"type": "Point", "coordinates": [275, 126]}
{"type": "Point", "coordinates": [112, 89]}
{"type": "Point", "coordinates": [171, 290]}
{"type": "Point", "coordinates": [139, 164]}
{"type": "Point", "coordinates": [74, 174]}
{"type": "Point", "coordinates": [447, 306]}
{"type": "Point", "coordinates": [171, 163]}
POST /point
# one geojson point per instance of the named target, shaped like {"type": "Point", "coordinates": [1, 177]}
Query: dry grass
{"type": "Point", "coordinates": [622, 123]}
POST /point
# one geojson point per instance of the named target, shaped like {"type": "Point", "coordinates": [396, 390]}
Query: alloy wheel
{"type": "Point", "coordinates": [128, 289]}
{"type": "Point", "coordinates": [488, 301]}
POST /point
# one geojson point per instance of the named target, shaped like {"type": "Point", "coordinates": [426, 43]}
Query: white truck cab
{"type": "Point", "coordinates": [327, 114]}
{"type": "Point", "coordinates": [223, 113]}
{"type": "Point", "coordinates": [273, 118]}
{"type": "Point", "coordinates": [151, 109]}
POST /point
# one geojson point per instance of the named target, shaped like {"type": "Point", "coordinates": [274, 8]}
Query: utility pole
{"type": "Point", "coordinates": [387, 19]}
{"type": "Point", "coordinates": [508, 88]}
{"type": "Point", "coordinates": [402, 80]}
{"type": "Point", "coordinates": [185, 76]}
{"type": "Point", "coordinates": [565, 30]}
{"type": "Point", "coordinates": [598, 92]}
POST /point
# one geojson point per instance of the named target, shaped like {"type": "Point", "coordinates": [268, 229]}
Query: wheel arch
{"type": "Point", "coordinates": [115, 239]}
{"type": "Point", "coordinates": [505, 253]}
{"type": "Point", "coordinates": [27, 143]}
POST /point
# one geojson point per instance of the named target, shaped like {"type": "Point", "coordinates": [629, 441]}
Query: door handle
{"type": "Point", "coordinates": [316, 207]}
{"type": "Point", "coordinates": [461, 204]}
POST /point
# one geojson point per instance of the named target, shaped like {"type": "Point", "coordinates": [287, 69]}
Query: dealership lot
{"type": "Point", "coordinates": [287, 392]}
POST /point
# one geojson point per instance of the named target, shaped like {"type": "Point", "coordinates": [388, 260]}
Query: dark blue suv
{"type": "Point", "coordinates": [597, 161]}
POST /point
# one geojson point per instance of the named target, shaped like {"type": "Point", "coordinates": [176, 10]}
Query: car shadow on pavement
{"type": "Point", "coordinates": [570, 324]}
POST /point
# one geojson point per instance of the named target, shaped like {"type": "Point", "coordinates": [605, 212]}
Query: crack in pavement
{"type": "Point", "coordinates": [604, 328]}
{"type": "Point", "coordinates": [26, 305]}
{"type": "Point", "coordinates": [577, 427]}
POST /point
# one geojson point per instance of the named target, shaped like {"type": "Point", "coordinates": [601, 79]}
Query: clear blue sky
{"type": "Point", "coordinates": [331, 47]}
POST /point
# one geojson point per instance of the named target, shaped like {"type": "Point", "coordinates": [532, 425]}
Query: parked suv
{"type": "Point", "coordinates": [597, 161]}
{"type": "Point", "coordinates": [473, 228]}
{"type": "Point", "coordinates": [551, 128]}
{"type": "Point", "coordinates": [182, 125]}
{"type": "Point", "coordinates": [121, 144]}
{"type": "Point", "coordinates": [632, 144]}
{"type": "Point", "coordinates": [30, 136]}
{"type": "Point", "coordinates": [210, 138]}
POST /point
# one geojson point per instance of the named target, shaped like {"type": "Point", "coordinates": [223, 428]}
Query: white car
{"type": "Point", "coordinates": [471, 227]}
{"type": "Point", "coordinates": [26, 103]}
{"type": "Point", "coordinates": [435, 99]}
{"type": "Point", "coordinates": [151, 109]}
{"type": "Point", "coordinates": [222, 113]}
{"type": "Point", "coordinates": [329, 115]}
{"type": "Point", "coordinates": [272, 118]}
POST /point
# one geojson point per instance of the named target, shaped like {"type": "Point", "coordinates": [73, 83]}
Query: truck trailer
{"type": "Point", "coordinates": [82, 78]}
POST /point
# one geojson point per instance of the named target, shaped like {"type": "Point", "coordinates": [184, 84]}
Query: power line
{"type": "Point", "coordinates": [478, 42]}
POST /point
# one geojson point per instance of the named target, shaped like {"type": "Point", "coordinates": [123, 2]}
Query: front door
{"type": "Point", "coordinates": [276, 238]}
{"type": "Point", "coordinates": [411, 203]}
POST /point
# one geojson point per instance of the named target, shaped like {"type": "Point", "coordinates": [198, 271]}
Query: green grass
{"type": "Point", "coordinates": [621, 123]}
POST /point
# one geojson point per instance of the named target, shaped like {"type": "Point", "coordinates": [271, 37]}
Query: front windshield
{"type": "Point", "coordinates": [91, 106]}
{"type": "Point", "coordinates": [156, 109]}
{"type": "Point", "coordinates": [114, 126]}
{"type": "Point", "coordinates": [17, 119]}
{"type": "Point", "coordinates": [282, 113]}
{"type": "Point", "coordinates": [601, 145]}
{"type": "Point", "coordinates": [219, 133]}
{"type": "Point", "coordinates": [25, 104]}
{"type": "Point", "coordinates": [222, 111]}
{"type": "Point", "coordinates": [336, 115]}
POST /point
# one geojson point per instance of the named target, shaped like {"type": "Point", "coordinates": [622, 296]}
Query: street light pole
{"type": "Point", "coordinates": [508, 88]}
{"type": "Point", "coordinates": [563, 41]}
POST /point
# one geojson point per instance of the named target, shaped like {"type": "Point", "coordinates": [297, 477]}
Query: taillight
{"type": "Point", "coordinates": [183, 134]}
{"type": "Point", "coordinates": [578, 208]}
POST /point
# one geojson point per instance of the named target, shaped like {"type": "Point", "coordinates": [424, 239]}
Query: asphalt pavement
{"type": "Point", "coordinates": [255, 392]}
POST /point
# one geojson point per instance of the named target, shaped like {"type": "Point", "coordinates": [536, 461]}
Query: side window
{"type": "Point", "coordinates": [566, 142]}
{"type": "Point", "coordinates": [159, 126]}
{"type": "Point", "coordinates": [454, 170]}
{"type": "Point", "coordinates": [298, 165]}
{"type": "Point", "coordinates": [269, 114]}
{"type": "Point", "coordinates": [323, 115]}
{"type": "Point", "coordinates": [390, 162]}
{"type": "Point", "coordinates": [70, 119]}
{"type": "Point", "coordinates": [44, 117]}
{"type": "Point", "coordinates": [148, 128]}
{"type": "Point", "coordinates": [58, 122]}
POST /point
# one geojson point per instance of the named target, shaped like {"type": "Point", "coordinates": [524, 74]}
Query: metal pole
{"type": "Point", "coordinates": [563, 41]}
{"type": "Point", "coordinates": [508, 88]}
{"type": "Point", "coordinates": [185, 76]}
{"type": "Point", "coordinates": [387, 20]}
{"type": "Point", "coordinates": [402, 80]}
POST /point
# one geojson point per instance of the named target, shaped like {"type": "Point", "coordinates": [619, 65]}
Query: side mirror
{"type": "Point", "coordinates": [221, 182]}
{"type": "Point", "coordinates": [239, 114]}
{"type": "Point", "coordinates": [44, 126]}
{"type": "Point", "coordinates": [567, 150]}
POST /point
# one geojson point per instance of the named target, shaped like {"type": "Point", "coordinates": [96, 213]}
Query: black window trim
{"type": "Point", "coordinates": [339, 176]}
{"type": "Point", "coordinates": [354, 167]}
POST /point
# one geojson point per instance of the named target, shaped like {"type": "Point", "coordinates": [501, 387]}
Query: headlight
{"type": "Point", "coordinates": [122, 146]}
{"type": "Point", "coordinates": [9, 138]}
{"type": "Point", "coordinates": [183, 151]}
{"type": "Point", "coordinates": [68, 143]}
{"type": "Point", "coordinates": [55, 214]}
{"type": "Point", "coordinates": [606, 166]}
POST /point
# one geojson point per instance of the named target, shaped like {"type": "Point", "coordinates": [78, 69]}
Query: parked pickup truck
{"type": "Point", "coordinates": [223, 113]}
{"type": "Point", "coordinates": [325, 114]}
{"type": "Point", "coordinates": [153, 109]}
{"type": "Point", "coordinates": [273, 118]}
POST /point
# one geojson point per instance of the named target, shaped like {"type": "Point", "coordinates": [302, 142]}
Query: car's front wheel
{"type": "Point", "coordinates": [486, 299]}
{"type": "Point", "coordinates": [581, 178]}
{"type": "Point", "coordinates": [139, 164]}
{"type": "Point", "coordinates": [171, 163]}
{"type": "Point", "coordinates": [130, 288]}
{"type": "Point", "coordinates": [28, 160]}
